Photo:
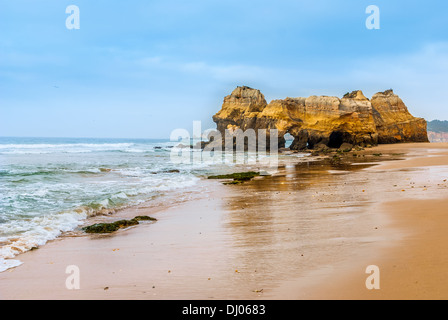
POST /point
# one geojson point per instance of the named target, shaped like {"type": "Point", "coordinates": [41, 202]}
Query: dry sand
{"type": "Point", "coordinates": [307, 233]}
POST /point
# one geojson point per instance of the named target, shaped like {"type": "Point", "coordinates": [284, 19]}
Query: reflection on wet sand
{"type": "Point", "coordinates": [308, 216]}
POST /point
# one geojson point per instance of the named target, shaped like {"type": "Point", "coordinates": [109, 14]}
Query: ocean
{"type": "Point", "coordinates": [51, 185]}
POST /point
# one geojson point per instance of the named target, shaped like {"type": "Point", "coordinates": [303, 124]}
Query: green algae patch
{"type": "Point", "coordinates": [238, 177]}
{"type": "Point", "coordinates": [335, 160]}
{"type": "Point", "coordinates": [114, 226]}
{"type": "Point", "coordinates": [101, 228]}
{"type": "Point", "coordinates": [233, 182]}
{"type": "Point", "coordinates": [144, 218]}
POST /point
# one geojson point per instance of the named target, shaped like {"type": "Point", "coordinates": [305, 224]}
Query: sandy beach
{"type": "Point", "coordinates": [412, 268]}
{"type": "Point", "coordinates": [308, 232]}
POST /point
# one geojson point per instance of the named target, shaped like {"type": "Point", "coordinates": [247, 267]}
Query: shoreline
{"type": "Point", "coordinates": [233, 248]}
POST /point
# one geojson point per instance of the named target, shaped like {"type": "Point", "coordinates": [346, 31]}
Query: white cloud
{"type": "Point", "coordinates": [420, 78]}
{"type": "Point", "coordinates": [229, 72]}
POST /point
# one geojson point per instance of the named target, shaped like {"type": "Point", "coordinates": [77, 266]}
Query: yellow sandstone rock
{"type": "Point", "coordinates": [323, 120]}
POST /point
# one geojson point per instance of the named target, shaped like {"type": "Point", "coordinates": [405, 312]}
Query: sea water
{"type": "Point", "coordinates": [51, 185]}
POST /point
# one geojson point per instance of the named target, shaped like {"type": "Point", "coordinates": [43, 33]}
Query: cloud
{"type": "Point", "coordinates": [429, 63]}
{"type": "Point", "coordinates": [224, 72]}
{"type": "Point", "coordinates": [419, 77]}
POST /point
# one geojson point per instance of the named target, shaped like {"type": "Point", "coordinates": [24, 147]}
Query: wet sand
{"type": "Point", "coordinates": [308, 232]}
{"type": "Point", "coordinates": [413, 266]}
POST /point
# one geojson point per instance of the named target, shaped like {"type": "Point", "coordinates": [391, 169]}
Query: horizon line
{"type": "Point", "coordinates": [61, 137]}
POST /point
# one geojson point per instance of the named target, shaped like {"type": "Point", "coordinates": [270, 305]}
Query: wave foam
{"type": "Point", "coordinates": [36, 232]}
{"type": "Point", "coordinates": [67, 148]}
{"type": "Point", "coordinates": [8, 264]}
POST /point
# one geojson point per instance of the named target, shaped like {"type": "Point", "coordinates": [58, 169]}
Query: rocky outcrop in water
{"type": "Point", "coordinates": [323, 120]}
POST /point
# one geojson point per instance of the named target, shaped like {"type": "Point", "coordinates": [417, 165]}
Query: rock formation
{"type": "Point", "coordinates": [317, 120]}
{"type": "Point", "coordinates": [393, 121]}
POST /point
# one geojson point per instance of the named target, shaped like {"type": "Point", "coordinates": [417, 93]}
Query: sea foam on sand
{"type": "Point", "coordinates": [8, 264]}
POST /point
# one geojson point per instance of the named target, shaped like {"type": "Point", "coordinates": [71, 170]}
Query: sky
{"type": "Point", "coordinates": [142, 68]}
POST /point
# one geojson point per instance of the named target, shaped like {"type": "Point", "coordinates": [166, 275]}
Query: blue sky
{"type": "Point", "coordinates": [140, 69]}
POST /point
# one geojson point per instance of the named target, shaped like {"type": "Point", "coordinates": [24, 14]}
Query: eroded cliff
{"type": "Point", "coordinates": [317, 120]}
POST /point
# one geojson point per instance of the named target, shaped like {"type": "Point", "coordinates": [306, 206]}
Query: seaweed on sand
{"type": "Point", "coordinates": [238, 177]}
{"type": "Point", "coordinates": [114, 226]}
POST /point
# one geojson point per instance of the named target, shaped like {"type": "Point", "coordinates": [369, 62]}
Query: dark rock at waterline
{"type": "Point", "coordinates": [166, 171]}
{"type": "Point", "coordinates": [238, 177]}
{"type": "Point", "coordinates": [335, 160]}
{"type": "Point", "coordinates": [110, 227]}
{"type": "Point", "coordinates": [144, 218]}
{"type": "Point", "coordinates": [346, 147]}
{"type": "Point", "coordinates": [114, 226]}
{"type": "Point", "coordinates": [199, 145]}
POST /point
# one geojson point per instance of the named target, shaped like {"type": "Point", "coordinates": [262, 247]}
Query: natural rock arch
{"type": "Point", "coordinates": [326, 120]}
